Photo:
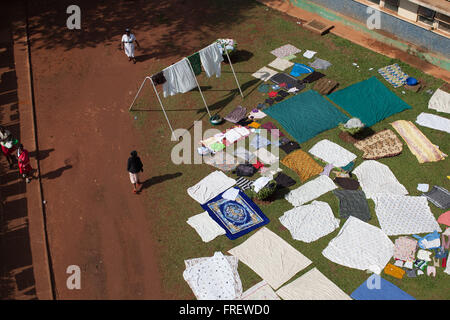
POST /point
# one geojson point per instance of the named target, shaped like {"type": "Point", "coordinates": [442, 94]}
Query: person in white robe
{"type": "Point", "coordinates": [127, 44]}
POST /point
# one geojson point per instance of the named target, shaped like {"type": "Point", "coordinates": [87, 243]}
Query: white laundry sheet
{"type": "Point", "coordinates": [310, 222]}
{"type": "Point", "coordinates": [440, 101]}
{"type": "Point", "coordinates": [400, 215]}
{"type": "Point", "coordinates": [210, 186]}
{"type": "Point", "coordinates": [205, 226]}
{"type": "Point", "coordinates": [331, 152]}
{"type": "Point", "coordinates": [260, 183]}
{"type": "Point", "coordinates": [270, 257]}
{"type": "Point", "coordinates": [213, 278]}
{"type": "Point", "coordinates": [280, 64]}
{"type": "Point", "coordinates": [313, 285]}
{"type": "Point", "coordinates": [232, 135]}
{"type": "Point", "coordinates": [260, 291]}
{"type": "Point", "coordinates": [211, 58]}
{"type": "Point", "coordinates": [433, 121]}
{"type": "Point", "coordinates": [375, 177]}
{"type": "Point", "coordinates": [309, 54]}
{"type": "Point", "coordinates": [264, 73]}
{"type": "Point", "coordinates": [230, 194]}
{"type": "Point", "coordinates": [258, 114]}
{"type": "Point", "coordinates": [310, 190]}
{"type": "Point", "coordinates": [266, 156]}
{"type": "Point", "coordinates": [179, 79]}
{"type": "Point", "coordinates": [360, 245]}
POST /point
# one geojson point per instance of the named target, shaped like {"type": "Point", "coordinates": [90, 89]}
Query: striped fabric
{"type": "Point", "coordinates": [243, 183]}
{"type": "Point", "coordinates": [394, 75]}
{"type": "Point", "coordinates": [417, 142]}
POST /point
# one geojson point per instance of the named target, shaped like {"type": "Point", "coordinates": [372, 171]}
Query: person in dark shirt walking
{"type": "Point", "coordinates": [134, 167]}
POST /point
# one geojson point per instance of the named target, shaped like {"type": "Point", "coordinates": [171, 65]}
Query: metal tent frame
{"type": "Point", "coordinates": [174, 138]}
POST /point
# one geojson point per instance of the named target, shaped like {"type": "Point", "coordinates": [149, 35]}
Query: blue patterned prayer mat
{"type": "Point", "coordinates": [236, 217]}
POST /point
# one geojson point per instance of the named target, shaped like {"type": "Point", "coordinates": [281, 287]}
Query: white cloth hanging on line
{"type": "Point", "coordinates": [179, 78]}
{"type": "Point", "coordinates": [211, 57]}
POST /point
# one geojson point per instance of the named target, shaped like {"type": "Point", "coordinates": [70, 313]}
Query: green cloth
{"type": "Point", "coordinates": [196, 63]}
{"type": "Point", "coordinates": [306, 115]}
{"type": "Point", "coordinates": [217, 146]}
{"type": "Point", "coordinates": [369, 100]}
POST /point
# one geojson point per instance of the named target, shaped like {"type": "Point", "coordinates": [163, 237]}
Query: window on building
{"type": "Point", "coordinates": [425, 15]}
{"type": "Point", "coordinates": [443, 22]}
{"type": "Point", "coordinates": [391, 5]}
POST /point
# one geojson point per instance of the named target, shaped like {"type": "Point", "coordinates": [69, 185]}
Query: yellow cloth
{"type": "Point", "coordinates": [417, 142]}
{"type": "Point", "coordinates": [394, 271]}
{"type": "Point", "coordinates": [255, 125]}
{"type": "Point", "coordinates": [302, 164]}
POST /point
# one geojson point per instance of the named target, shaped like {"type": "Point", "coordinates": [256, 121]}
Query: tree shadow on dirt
{"type": "Point", "coordinates": [159, 179]}
{"type": "Point", "coordinates": [103, 22]}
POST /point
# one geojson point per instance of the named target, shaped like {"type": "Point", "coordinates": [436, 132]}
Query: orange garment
{"type": "Point", "coordinates": [255, 125]}
{"type": "Point", "coordinates": [302, 164]}
{"type": "Point", "coordinates": [394, 271]}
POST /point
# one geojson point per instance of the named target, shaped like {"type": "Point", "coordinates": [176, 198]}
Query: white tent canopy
{"type": "Point", "coordinates": [200, 90]}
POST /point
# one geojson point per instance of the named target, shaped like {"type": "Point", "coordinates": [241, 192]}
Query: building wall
{"type": "Point", "coordinates": [437, 47]}
{"type": "Point", "coordinates": [408, 10]}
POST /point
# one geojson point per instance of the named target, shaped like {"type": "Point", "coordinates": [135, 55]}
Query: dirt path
{"type": "Point", "coordinates": [94, 220]}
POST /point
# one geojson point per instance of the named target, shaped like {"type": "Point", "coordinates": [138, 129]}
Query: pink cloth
{"type": "Point", "coordinates": [445, 218]}
{"type": "Point", "coordinates": [405, 249]}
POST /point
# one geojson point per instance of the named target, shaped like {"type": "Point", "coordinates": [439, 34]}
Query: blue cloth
{"type": "Point", "coordinates": [236, 217]}
{"type": "Point", "coordinates": [349, 166]}
{"type": "Point", "coordinates": [259, 142]}
{"type": "Point", "coordinates": [369, 100]}
{"type": "Point", "coordinates": [386, 291]}
{"type": "Point", "coordinates": [300, 69]}
{"type": "Point", "coordinates": [306, 115]}
{"type": "Point", "coordinates": [429, 237]}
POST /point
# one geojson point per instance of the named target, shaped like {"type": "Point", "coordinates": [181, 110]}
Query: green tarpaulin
{"type": "Point", "coordinates": [369, 100]}
{"type": "Point", "coordinates": [306, 115]}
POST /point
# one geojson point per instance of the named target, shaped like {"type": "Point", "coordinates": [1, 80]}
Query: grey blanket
{"type": "Point", "coordinates": [439, 196]}
{"type": "Point", "coordinates": [320, 64]}
{"type": "Point", "coordinates": [353, 203]}
{"type": "Point", "coordinates": [236, 115]}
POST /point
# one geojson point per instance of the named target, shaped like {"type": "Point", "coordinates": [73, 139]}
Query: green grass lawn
{"type": "Point", "coordinates": [260, 31]}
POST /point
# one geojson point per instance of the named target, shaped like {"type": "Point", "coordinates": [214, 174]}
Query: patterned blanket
{"type": "Point", "coordinates": [417, 142]}
{"type": "Point", "coordinates": [237, 217]}
{"type": "Point", "coordinates": [394, 75]}
{"type": "Point", "coordinates": [302, 163]}
{"type": "Point", "coordinates": [382, 144]}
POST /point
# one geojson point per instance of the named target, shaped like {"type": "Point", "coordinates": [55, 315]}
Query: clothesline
{"type": "Point", "coordinates": [180, 81]}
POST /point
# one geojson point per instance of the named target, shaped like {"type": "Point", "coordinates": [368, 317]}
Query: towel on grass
{"type": "Point", "coordinates": [316, 75]}
{"type": "Point", "coordinates": [405, 249]}
{"type": "Point", "coordinates": [310, 222]}
{"type": "Point", "coordinates": [260, 291]}
{"type": "Point", "coordinates": [286, 50]}
{"type": "Point", "coordinates": [299, 69]}
{"type": "Point", "coordinates": [418, 143]}
{"type": "Point", "coordinates": [375, 177]}
{"type": "Point", "coordinates": [440, 101]}
{"type": "Point", "coordinates": [313, 285]}
{"type": "Point", "coordinates": [302, 163]}
{"type": "Point", "coordinates": [310, 191]}
{"type": "Point", "coordinates": [382, 144]}
{"type": "Point", "coordinates": [400, 214]}
{"type": "Point", "coordinates": [347, 183]}
{"type": "Point", "coordinates": [280, 64]}
{"type": "Point", "coordinates": [243, 183]}
{"type": "Point", "coordinates": [284, 181]}
{"type": "Point", "coordinates": [264, 73]}
{"type": "Point", "coordinates": [331, 152]}
{"type": "Point", "coordinates": [274, 131]}
{"type": "Point", "coordinates": [309, 54]}
{"type": "Point", "coordinates": [213, 278]}
{"type": "Point", "coordinates": [320, 64]}
{"type": "Point", "coordinates": [290, 146]}
{"type": "Point", "coordinates": [377, 288]}
{"type": "Point", "coordinates": [361, 246]}
{"type": "Point", "coordinates": [206, 227]}
{"type": "Point", "coordinates": [433, 121]}
{"type": "Point", "coordinates": [353, 203]}
{"type": "Point", "coordinates": [210, 186]}
{"type": "Point", "coordinates": [439, 196]}
{"type": "Point", "coordinates": [270, 257]}
{"type": "Point", "coordinates": [236, 115]}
